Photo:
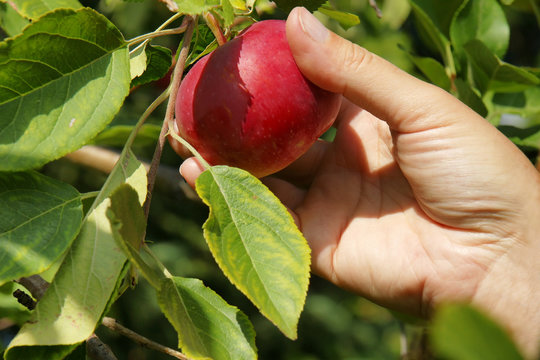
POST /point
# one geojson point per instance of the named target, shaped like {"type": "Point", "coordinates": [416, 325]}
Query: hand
{"type": "Point", "coordinates": [418, 200]}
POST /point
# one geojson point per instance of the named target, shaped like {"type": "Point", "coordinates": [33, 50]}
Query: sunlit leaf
{"type": "Point", "coordinates": [207, 326]}
{"type": "Point", "coordinates": [39, 218]}
{"type": "Point", "coordinates": [11, 21]}
{"type": "Point", "coordinates": [158, 62]}
{"type": "Point", "coordinates": [195, 7]}
{"type": "Point", "coordinates": [33, 9]}
{"type": "Point", "coordinates": [345, 19]}
{"type": "Point", "coordinates": [61, 81]}
{"type": "Point", "coordinates": [483, 20]}
{"type": "Point", "coordinates": [72, 306]}
{"type": "Point", "coordinates": [256, 243]}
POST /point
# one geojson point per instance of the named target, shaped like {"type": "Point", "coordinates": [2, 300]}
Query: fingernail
{"type": "Point", "coordinates": [312, 27]}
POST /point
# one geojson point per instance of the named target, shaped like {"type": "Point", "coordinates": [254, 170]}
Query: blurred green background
{"type": "Point", "coordinates": [335, 324]}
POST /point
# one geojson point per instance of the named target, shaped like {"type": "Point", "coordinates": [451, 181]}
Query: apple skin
{"type": "Point", "coordinates": [247, 105]}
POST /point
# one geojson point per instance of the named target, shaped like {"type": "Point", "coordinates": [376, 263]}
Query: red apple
{"type": "Point", "coordinates": [247, 105]}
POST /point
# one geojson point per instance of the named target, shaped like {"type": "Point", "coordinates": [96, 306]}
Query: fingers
{"type": "Point", "coordinates": [190, 170]}
{"type": "Point", "coordinates": [369, 81]}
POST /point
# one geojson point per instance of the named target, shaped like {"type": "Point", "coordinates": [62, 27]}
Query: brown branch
{"type": "Point", "coordinates": [373, 4]}
{"type": "Point", "coordinates": [141, 340]}
{"type": "Point", "coordinates": [169, 114]}
{"type": "Point", "coordinates": [98, 350]}
{"type": "Point", "coordinates": [167, 178]}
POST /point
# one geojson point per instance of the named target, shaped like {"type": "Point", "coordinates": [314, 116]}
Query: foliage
{"type": "Point", "coordinates": [69, 77]}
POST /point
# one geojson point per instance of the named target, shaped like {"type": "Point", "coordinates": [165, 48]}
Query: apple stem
{"type": "Point", "coordinates": [187, 145]}
{"type": "Point", "coordinates": [213, 25]}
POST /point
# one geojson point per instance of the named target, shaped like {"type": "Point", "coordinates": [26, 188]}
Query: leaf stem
{"type": "Point", "coordinates": [172, 91]}
{"type": "Point", "coordinates": [213, 25]}
{"type": "Point", "coordinates": [89, 195]}
{"type": "Point", "coordinates": [188, 146]}
{"type": "Point", "coordinates": [156, 34]}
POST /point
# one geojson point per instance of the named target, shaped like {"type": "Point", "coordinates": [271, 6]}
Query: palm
{"type": "Point", "coordinates": [368, 233]}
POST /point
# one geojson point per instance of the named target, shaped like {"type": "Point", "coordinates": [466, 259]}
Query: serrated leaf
{"type": "Point", "coordinates": [483, 20]}
{"type": "Point", "coordinates": [39, 218]}
{"type": "Point", "coordinates": [345, 19]}
{"type": "Point", "coordinates": [492, 74]}
{"type": "Point", "coordinates": [11, 21]}
{"type": "Point", "coordinates": [61, 82]}
{"type": "Point", "coordinates": [196, 7]}
{"type": "Point", "coordinates": [460, 332]}
{"type": "Point", "coordinates": [256, 243]}
{"type": "Point", "coordinates": [158, 62]}
{"type": "Point", "coordinates": [207, 327]}
{"type": "Point", "coordinates": [72, 306]}
{"type": "Point", "coordinates": [33, 9]}
{"type": "Point", "coordinates": [288, 5]}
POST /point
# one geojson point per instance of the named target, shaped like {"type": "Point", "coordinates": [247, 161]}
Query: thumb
{"type": "Point", "coordinates": [374, 84]}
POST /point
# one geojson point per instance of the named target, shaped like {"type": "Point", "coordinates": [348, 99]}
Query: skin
{"type": "Point", "coordinates": [419, 200]}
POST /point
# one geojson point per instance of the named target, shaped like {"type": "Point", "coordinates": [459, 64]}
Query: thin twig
{"type": "Point", "coordinates": [141, 340]}
{"type": "Point", "coordinates": [169, 114]}
{"type": "Point", "coordinates": [373, 4]}
{"type": "Point", "coordinates": [156, 34]}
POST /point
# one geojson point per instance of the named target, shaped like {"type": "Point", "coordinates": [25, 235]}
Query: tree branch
{"type": "Point", "coordinates": [167, 178]}
{"type": "Point", "coordinates": [113, 325]}
{"type": "Point", "coordinates": [169, 114]}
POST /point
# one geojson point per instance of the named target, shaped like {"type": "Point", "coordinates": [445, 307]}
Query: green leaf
{"type": "Point", "coordinates": [469, 96]}
{"type": "Point", "coordinates": [288, 5]}
{"type": "Point", "coordinates": [61, 82]}
{"type": "Point", "coordinates": [345, 19]}
{"type": "Point", "coordinates": [492, 74]}
{"type": "Point", "coordinates": [525, 104]}
{"type": "Point", "coordinates": [431, 21]}
{"type": "Point", "coordinates": [158, 62]}
{"type": "Point", "coordinates": [116, 136]}
{"type": "Point", "coordinates": [528, 137]}
{"type": "Point", "coordinates": [11, 21]}
{"type": "Point", "coordinates": [33, 9]}
{"type": "Point", "coordinates": [433, 70]}
{"type": "Point", "coordinates": [227, 13]}
{"type": "Point", "coordinates": [207, 327]}
{"type": "Point", "coordinates": [76, 299]}
{"type": "Point", "coordinates": [256, 243]}
{"type": "Point", "coordinates": [137, 61]}
{"type": "Point", "coordinates": [483, 20]}
{"type": "Point", "coordinates": [203, 43]}
{"type": "Point", "coordinates": [196, 7]}
{"type": "Point", "coordinates": [462, 333]}
{"type": "Point", "coordinates": [128, 224]}
{"type": "Point", "coordinates": [39, 218]}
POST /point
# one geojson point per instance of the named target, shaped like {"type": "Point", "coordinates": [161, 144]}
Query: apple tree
{"type": "Point", "coordinates": [66, 73]}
